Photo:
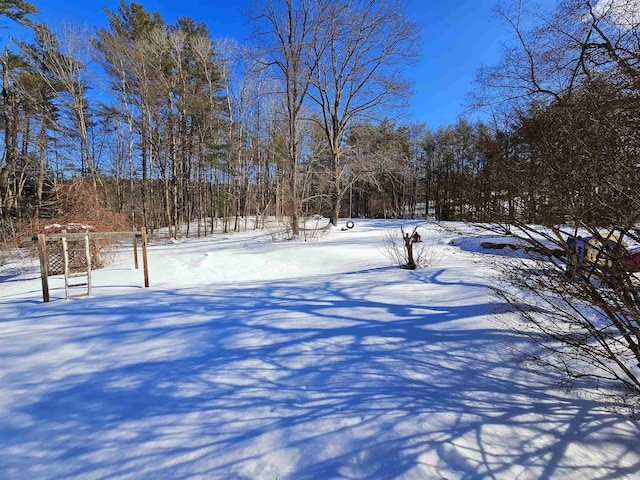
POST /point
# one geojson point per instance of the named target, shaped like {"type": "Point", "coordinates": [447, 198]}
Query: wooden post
{"type": "Point", "coordinates": [145, 264]}
{"type": "Point", "coordinates": [44, 266]}
{"type": "Point", "coordinates": [65, 255]}
{"type": "Point", "coordinates": [135, 250]}
{"type": "Point", "coordinates": [87, 252]}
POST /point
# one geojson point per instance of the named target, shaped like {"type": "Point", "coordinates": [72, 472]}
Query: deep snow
{"type": "Point", "coordinates": [248, 359]}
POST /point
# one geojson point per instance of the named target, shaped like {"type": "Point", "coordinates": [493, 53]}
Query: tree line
{"type": "Point", "coordinates": [177, 126]}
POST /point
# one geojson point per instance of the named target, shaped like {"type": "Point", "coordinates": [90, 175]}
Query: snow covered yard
{"type": "Point", "coordinates": [248, 359]}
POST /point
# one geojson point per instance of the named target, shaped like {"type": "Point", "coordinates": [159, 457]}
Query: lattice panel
{"type": "Point", "coordinates": [77, 258]}
{"type": "Point", "coordinates": [56, 258]}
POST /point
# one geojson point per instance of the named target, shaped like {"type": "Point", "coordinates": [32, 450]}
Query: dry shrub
{"type": "Point", "coordinates": [77, 201]}
{"type": "Point", "coordinates": [79, 207]}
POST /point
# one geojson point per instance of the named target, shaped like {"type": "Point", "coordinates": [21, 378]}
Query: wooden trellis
{"type": "Point", "coordinates": [77, 266]}
{"type": "Point", "coordinates": [55, 257]}
{"type": "Point", "coordinates": [77, 261]}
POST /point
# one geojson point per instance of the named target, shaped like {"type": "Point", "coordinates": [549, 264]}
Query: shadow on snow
{"type": "Point", "coordinates": [287, 381]}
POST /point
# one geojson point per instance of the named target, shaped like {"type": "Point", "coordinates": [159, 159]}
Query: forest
{"type": "Point", "coordinates": [177, 127]}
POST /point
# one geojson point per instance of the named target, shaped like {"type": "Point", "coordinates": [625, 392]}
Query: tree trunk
{"type": "Point", "coordinates": [408, 245]}
{"type": "Point", "coordinates": [10, 147]}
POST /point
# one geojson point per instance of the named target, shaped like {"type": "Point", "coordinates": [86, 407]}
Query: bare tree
{"type": "Point", "coordinates": [575, 43]}
{"type": "Point", "coordinates": [287, 31]}
{"type": "Point", "coordinates": [66, 62]}
{"type": "Point", "coordinates": [358, 58]}
{"type": "Point", "coordinates": [573, 83]}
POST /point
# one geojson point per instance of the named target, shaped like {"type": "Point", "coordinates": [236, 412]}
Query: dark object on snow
{"type": "Point", "coordinates": [416, 238]}
{"type": "Point", "coordinates": [349, 226]}
{"type": "Point", "coordinates": [495, 246]}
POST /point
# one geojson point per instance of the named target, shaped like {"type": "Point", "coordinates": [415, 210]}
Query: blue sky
{"type": "Point", "coordinates": [458, 38]}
